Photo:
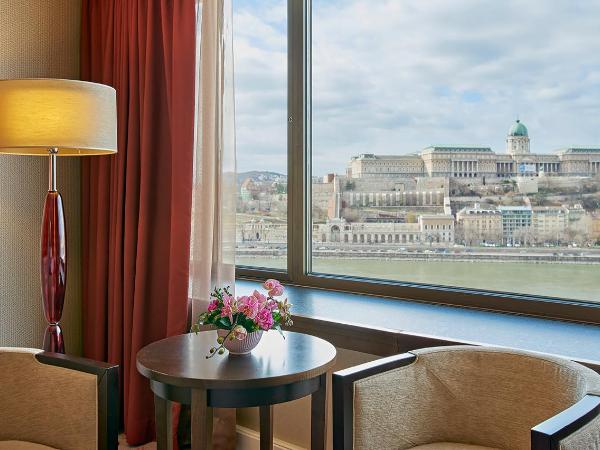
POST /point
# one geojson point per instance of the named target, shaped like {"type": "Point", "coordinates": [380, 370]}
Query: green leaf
{"type": "Point", "coordinates": [223, 322]}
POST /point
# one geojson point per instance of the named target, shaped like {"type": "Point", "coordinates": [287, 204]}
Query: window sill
{"type": "Point", "coordinates": [386, 326]}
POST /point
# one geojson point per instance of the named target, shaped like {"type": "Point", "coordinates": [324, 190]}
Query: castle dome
{"type": "Point", "coordinates": [518, 129]}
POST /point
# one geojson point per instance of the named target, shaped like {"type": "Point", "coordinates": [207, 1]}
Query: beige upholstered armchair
{"type": "Point", "coordinates": [467, 398]}
{"type": "Point", "coordinates": [49, 400]}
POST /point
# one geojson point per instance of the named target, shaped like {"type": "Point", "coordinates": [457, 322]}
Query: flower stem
{"type": "Point", "coordinates": [222, 345]}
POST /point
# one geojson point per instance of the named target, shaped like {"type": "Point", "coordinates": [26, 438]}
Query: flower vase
{"type": "Point", "coordinates": [237, 347]}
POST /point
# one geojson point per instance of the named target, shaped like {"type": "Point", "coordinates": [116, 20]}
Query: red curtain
{"type": "Point", "coordinates": [136, 205]}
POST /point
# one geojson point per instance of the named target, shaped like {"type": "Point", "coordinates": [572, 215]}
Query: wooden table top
{"type": "Point", "coordinates": [181, 361]}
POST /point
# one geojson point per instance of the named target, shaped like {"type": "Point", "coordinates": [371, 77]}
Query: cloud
{"type": "Point", "coordinates": [394, 76]}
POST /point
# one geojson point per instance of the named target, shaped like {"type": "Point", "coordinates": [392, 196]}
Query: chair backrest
{"type": "Point", "coordinates": [474, 395]}
{"type": "Point", "coordinates": [45, 404]}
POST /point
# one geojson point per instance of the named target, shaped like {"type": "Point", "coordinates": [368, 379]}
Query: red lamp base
{"type": "Point", "coordinates": [53, 339]}
{"type": "Point", "coordinates": [53, 269]}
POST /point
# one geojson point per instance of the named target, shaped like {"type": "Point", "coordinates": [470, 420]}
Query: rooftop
{"type": "Point", "coordinates": [518, 129]}
{"type": "Point", "coordinates": [373, 156]}
{"type": "Point", "coordinates": [514, 208]}
{"type": "Point", "coordinates": [583, 149]}
{"type": "Point", "coordinates": [457, 149]}
{"type": "Point", "coordinates": [473, 211]}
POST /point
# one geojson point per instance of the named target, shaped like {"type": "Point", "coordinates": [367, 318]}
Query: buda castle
{"type": "Point", "coordinates": [480, 163]}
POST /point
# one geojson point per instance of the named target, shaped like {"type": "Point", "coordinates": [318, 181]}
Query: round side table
{"type": "Point", "coordinates": [277, 370]}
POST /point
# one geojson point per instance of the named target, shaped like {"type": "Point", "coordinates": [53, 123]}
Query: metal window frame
{"type": "Point", "coordinates": [299, 210]}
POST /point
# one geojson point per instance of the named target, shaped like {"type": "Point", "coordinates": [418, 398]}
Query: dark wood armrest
{"type": "Point", "coordinates": [108, 392]}
{"type": "Point", "coordinates": [548, 434]}
{"type": "Point", "coordinates": [343, 394]}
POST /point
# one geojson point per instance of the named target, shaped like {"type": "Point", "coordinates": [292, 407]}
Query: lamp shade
{"type": "Point", "coordinates": [76, 117]}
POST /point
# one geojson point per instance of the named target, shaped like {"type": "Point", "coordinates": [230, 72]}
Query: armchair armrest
{"type": "Point", "coordinates": [548, 434]}
{"type": "Point", "coordinates": [108, 392]}
{"type": "Point", "coordinates": [343, 394]}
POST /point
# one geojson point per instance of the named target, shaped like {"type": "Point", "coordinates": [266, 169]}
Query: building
{"type": "Point", "coordinates": [340, 231]}
{"type": "Point", "coordinates": [584, 161]}
{"type": "Point", "coordinates": [517, 140]}
{"type": "Point", "coordinates": [516, 224]}
{"type": "Point", "coordinates": [549, 223]}
{"type": "Point", "coordinates": [476, 226]}
{"type": "Point", "coordinates": [480, 163]}
{"type": "Point", "coordinates": [394, 198]}
{"type": "Point", "coordinates": [437, 228]}
{"type": "Point", "coordinates": [458, 161]}
{"type": "Point", "coordinates": [429, 229]}
{"type": "Point", "coordinates": [368, 165]}
{"type": "Point", "coordinates": [263, 231]}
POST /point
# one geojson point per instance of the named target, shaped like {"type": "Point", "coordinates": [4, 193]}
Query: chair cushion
{"type": "Point", "coordinates": [451, 446]}
{"type": "Point", "coordinates": [30, 389]}
{"type": "Point", "coordinates": [22, 445]}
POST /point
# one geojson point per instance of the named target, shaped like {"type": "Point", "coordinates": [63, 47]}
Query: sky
{"type": "Point", "coordinates": [395, 76]}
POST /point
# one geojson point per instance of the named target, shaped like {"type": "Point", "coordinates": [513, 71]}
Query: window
{"type": "Point", "coordinates": [260, 58]}
{"type": "Point", "coordinates": [459, 72]}
{"type": "Point", "coordinates": [430, 151]}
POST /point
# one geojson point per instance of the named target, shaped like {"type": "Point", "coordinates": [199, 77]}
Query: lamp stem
{"type": "Point", "coordinates": [52, 169]}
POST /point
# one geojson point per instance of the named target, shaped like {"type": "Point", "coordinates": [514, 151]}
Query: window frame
{"type": "Point", "coordinates": [299, 227]}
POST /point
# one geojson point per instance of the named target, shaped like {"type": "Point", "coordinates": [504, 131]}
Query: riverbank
{"type": "Point", "coordinates": [565, 280]}
{"type": "Point", "coordinates": [436, 255]}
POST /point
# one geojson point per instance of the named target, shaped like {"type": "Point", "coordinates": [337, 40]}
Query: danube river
{"type": "Point", "coordinates": [575, 281]}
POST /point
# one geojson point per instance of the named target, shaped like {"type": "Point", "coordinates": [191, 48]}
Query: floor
{"type": "Point", "coordinates": [123, 445]}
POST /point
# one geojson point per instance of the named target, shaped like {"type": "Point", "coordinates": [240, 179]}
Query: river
{"type": "Point", "coordinates": [573, 281]}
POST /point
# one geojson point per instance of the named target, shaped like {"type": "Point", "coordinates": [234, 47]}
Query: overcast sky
{"type": "Point", "coordinates": [394, 76]}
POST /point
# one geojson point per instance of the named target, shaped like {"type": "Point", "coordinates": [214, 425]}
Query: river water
{"type": "Point", "coordinates": [573, 281]}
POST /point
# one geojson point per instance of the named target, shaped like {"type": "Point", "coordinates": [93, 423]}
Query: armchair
{"type": "Point", "coordinates": [56, 401]}
{"type": "Point", "coordinates": [467, 398]}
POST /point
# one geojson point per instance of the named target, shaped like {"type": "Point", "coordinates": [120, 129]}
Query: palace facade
{"type": "Point", "coordinates": [480, 162]}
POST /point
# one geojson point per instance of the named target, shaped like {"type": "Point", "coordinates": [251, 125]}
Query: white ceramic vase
{"type": "Point", "coordinates": [237, 347]}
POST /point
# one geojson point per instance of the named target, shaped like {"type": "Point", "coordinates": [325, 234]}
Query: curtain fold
{"type": "Point", "coordinates": [136, 206]}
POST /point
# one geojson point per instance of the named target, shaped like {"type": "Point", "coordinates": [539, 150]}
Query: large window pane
{"type": "Point", "coordinates": [260, 55]}
{"type": "Point", "coordinates": [456, 143]}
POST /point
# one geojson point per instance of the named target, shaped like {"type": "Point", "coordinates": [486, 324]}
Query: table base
{"type": "Point", "coordinates": [202, 402]}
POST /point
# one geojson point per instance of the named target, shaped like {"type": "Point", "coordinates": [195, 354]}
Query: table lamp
{"type": "Point", "coordinates": [49, 117]}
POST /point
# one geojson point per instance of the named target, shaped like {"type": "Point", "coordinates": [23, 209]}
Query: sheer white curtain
{"type": "Point", "coordinates": [214, 197]}
{"type": "Point", "coordinates": [212, 255]}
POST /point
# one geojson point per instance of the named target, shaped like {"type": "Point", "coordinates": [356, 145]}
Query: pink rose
{"type": "Point", "coordinates": [264, 319]}
{"type": "Point", "coordinates": [213, 305]}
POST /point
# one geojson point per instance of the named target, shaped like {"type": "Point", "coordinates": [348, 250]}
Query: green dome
{"type": "Point", "coordinates": [518, 129]}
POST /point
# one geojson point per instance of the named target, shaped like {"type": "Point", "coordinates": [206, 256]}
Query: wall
{"type": "Point", "coordinates": [291, 420]}
{"type": "Point", "coordinates": [37, 39]}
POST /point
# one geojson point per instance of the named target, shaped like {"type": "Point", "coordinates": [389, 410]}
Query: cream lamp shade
{"type": "Point", "coordinates": [76, 117]}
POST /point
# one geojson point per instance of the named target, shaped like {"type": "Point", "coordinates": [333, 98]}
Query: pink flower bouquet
{"type": "Point", "coordinates": [245, 314]}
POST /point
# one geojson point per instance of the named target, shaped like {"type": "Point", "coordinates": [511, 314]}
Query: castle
{"type": "Point", "coordinates": [480, 163]}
